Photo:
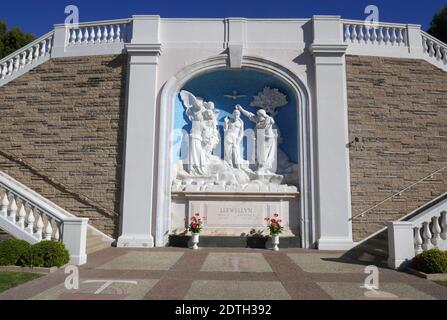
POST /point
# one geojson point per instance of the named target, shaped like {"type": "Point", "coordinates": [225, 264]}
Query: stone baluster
{"type": "Point", "coordinates": [22, 59]}
{"type": "Point", "coordinates": [48, 229]}
{"type": "Point", "coordinates": [3, 70]}
{"type": "Point", "coordinates": [380, 35]}
{"type": "Point", "coordinates": [42, 48]}
{"type": "Point", "coordinates": [99, 35]}
{"type": "Point", "coordinates": [354, 34]}
{"type": "Point", "coordinates": [36, 52]}
{"type": "Point", "coordinates": [106, 34]}
{"type": "Point", "coordinates": [22, 216]}
{"type": "Point", "coordinates": [444, 225]}
{"type": "Point", "coordinates": [426, 236]}
{"type": "Point", "coordinates": [393, 36]}
{"type": "Point", "coordinates": [424, 44]}
{"type": "Point", "coordinates": [4, 205]}
{"type": "Point", "coordinates": [386, 37]}
{"type": "Point", "coordinates": [92, 35]}
{"type": "Point", "coordinates": [17, 63]}
{"type": "Point", "coordinates": [361, 35]}
{"type": "Point", "coordinates": [373, 35]}
{"type": "Point", "coordinates": [347, 33]}
{"type": "Point", "coordinates": [79, 37]}
{"type": "Point", "coordinates": [50, 44]}
{"type": "Point", "coordinates": [402, 37]}
{"type": "Point", "coordinates": [39, 226]}
{"type": "Point", "coordinates": [417, 240]}
{"type": "Point", "coordinates": [86, 35]}
{"type": "Point", "coordinates": [438, 52]}
{"type": "Point", "coordinates": [367, 34]}
{"type": "Point", "coordinates": [30, 55]}
{"type": "Point", "coordinates": [30, 222]}
{"type": "Point", "coordinates": [436, 231]}
{"type": "Point", "coordinates": [112, 34]}
{"type": "Point", "coordinates": [118, 33]}
{"type": "Point", "coordinates": [10, 66]}
{"type": "Point", "coordinates": [13, 209]}
{"type": "Point", "coordinates": [431, 49]}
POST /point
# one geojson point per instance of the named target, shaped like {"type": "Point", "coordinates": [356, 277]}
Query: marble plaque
{"type": "Point", "coordinates": [235, 214]}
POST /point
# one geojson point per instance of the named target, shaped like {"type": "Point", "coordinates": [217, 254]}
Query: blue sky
{"type": "Point", "coordinates": [39, 16]}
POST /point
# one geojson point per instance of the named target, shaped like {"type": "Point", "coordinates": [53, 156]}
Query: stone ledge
{"type": "Point", "coordinates": [40, 270]}
{"type": "Point", "coordinates": [431, 277]}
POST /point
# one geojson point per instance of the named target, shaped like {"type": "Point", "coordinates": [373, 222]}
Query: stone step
{"type": "Point", "coordinates": [379, 243]}
{"type": "Point", "coordinates": [373, 250]}
{"type": "Point", "coordinates": [97, 247]}
{"type": "Point", "coordinates": [232, 242]}
{"type": "Point", "coordinates": [95, 242]}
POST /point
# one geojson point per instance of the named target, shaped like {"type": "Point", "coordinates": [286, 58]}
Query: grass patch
{"type": "Point", "coordinates": [442, 283]}
{"type": "Point", "coordinates": [9, 280]}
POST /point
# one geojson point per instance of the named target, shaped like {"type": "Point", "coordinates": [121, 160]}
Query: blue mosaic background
{"type": "Point", "coordinates": [214, 85]}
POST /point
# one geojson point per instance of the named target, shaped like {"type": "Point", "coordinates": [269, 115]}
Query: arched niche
{"type": "Point", "coordinates": [212, 80]}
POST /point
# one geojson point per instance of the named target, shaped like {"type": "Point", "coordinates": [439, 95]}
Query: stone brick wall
{"type": "Point", "coordinates": [65, 119]}
{"type": "Point", "coordinates": [398, 110]}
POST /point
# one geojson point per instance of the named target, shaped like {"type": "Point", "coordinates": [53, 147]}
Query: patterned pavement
{"type": "Point", "coordinates": [227, 274]}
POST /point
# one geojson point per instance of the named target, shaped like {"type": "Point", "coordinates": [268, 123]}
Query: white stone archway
{"type": "Point", "coordinates": [162, 191]}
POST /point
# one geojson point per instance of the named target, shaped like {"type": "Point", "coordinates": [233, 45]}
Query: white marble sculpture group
{"type": "Point", "coordinates": [206, 172]}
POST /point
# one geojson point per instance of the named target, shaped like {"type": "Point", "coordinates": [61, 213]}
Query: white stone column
{"type": "Point", "coordinates": [415, 40]}
{"type": "Point", "coordinates": [140, 132]}
{"type": "Point", "coordinates": [332, 176]}
{"type": "Point", "coordinates": [400, 244]}
{"type": "Point", "coordinates": [74, 238]}
{"type": "Point", "coordinates": [59, 41]}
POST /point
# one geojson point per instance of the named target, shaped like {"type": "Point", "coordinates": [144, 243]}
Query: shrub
{"type": "Point", "coordinates": [46, 254]}
{"type": "Point", "coordinates": [11, 250]}
{"type": "Point", "coordinates": [431, 261]}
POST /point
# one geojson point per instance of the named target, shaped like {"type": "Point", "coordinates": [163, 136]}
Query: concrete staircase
{"type": "Point", "coordinates": [373, 251]}
{"type": "Point", "coordinates": [96, 242]}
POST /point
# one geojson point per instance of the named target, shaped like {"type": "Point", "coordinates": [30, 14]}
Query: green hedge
{"type": "Point", "coordinates": [43, 254]}
{"type": "Point", "coordinates": [431, 261]}
{"type": "Point", "coordinates": [12, 250]}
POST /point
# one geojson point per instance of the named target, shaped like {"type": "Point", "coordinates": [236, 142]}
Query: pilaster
{"type": "Point", "coordinates": [333, 185]}
{"type": "Point", "coordinates": [140, 131]}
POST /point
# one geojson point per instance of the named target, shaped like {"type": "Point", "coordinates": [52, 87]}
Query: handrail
{"type": "Point", "coordinates": [96, 23]}
{"type": "Point", "coordinates": [35, 199]}
{"type": "Point", "coordinates": [28, 46]}
{"type": "Point", "coordinates": [436, 40]}
{"type": "Point", "coordinates": [59, 185]}
{"type": "Point", "coordinates": [379, 24]}
{"type": "Point", "coordinates": [398, 193]}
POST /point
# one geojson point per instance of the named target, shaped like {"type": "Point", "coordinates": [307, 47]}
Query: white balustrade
{"type": "Point", "coordinates": [28, 216]}
{"type": "Point", "coordinates": [98, 33]}
{"type": "Point", "coordinates": [434, 49]}
{"type": "Point", "coordinates": [361, 33]}
{"type": "Point", "coordinates": [28, 55]}
{"type": "Point", "coordinates": [421, 230]}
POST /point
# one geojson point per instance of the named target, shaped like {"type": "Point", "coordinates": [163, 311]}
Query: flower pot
{"type": "Point", "coordinates": [195, 241]}
{"type": "Point", "coordinates": [275, 241]}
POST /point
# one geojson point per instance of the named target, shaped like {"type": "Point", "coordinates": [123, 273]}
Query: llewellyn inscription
{"type": "Point", "coordinates": [235, 214]}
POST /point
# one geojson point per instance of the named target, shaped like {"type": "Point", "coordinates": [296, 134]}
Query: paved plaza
{"type": "Point", "coordinates": [233, 274]}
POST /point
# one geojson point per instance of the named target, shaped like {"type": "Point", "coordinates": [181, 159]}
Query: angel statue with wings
{"type": "Point", "coordinates": [204, 135]}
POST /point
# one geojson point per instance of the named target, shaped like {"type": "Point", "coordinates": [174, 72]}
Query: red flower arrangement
{"type": "Point", "coordinates": [196, 224]}
{"type": "Point", "coordinates": [274, 225]}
